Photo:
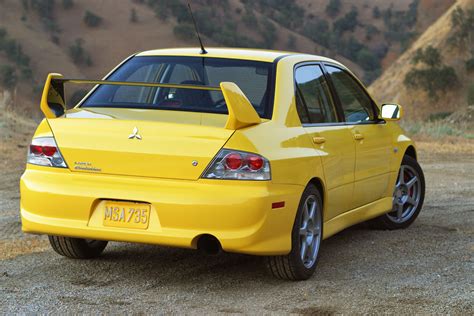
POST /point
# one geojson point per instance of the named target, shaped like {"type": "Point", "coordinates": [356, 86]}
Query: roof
{"type": "Point", "coordinates": [232, 53]}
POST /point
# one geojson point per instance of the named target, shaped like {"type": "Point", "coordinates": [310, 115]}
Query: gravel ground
{"type": "Point", "coordinates": [427, 268]}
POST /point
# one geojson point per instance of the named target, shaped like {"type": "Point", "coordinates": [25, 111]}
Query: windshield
{"type": "Point", "coordinates": [254, 78]}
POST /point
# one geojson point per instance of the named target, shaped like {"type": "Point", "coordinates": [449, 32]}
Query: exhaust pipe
{"type": "Point", "coordinates": [209, 245]}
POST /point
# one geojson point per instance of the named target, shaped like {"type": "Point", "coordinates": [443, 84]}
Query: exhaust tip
{"type": "Point", "coordinates": [209, 245]}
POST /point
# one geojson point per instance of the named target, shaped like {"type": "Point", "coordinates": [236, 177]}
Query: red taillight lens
{"type": "Point", "coordinates": [49, 151]}
{"type": "Point", "coordinates": [36, 149]}
{"type": "Point", "coordinates": [255, 162]}
{"type": "Point", "coordinates": [233, 161]}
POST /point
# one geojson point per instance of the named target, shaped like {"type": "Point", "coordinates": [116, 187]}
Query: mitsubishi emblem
{"type": "Point", "coordinates": [135, 134]}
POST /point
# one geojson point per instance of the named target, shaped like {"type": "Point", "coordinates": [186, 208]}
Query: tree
{"type": "Point", "coordinates": [8, 77]}
{"type": "Point", "coordinates": [250, 19]}
{"type": "Point", "coordinates": [371, 31]}
{"type": "Point", "coordinates": [429, 56]}
{"type": "Point", "coordinates": [463, 29]}
{"type": "Point", "coordinates": [184, 31]}
{"type": "Point", "coordinates": [269, 33]}
{"type": "Point", "coordinates": [348, 22]}
{"type": "Point", "coordinates": [433, 77]}
{"type": "Point", "coordinates": [133, 16]}
{"type": "Point", "coordinates": [333, 8]}
{"type": "Point", "coordinates": [318, 31]}
{"type": "Point", "coordinates": [68, 4]}
{"type": "Point", "coordinates": [376, 12]}
{"type": "Point", "coordinates": [92, 19]}
{"type": "Point", "coordinates": [291, 43]}
{"type": "Point", "coordinates": [78, 54]}
{"type": "Point", "coordinates": [470, 94]}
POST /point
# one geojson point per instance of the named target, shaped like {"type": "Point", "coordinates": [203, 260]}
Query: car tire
{"type": "Point", "coordinates": [307, 230]}
{"type": "Point", "coordinates": [77, 248]}
{"type": "Point", "coordinates": [408, 197]}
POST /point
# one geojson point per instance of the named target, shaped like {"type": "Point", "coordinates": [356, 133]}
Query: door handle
{"type": "Point", "coordinates": [358, 136]}
{"type": "Point", "coordinates": [319, 140]}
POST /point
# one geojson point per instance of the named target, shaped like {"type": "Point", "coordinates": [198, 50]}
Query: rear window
{"type": "Point", "coordinates": [254, 78]}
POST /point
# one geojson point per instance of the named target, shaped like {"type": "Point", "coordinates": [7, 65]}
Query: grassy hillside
{"type": "Point", "coordinates": [449, 92]}
{"type": "Point", "coordinates": [86, 38]}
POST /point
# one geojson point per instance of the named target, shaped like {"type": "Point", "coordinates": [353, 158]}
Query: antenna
{"type": "Point", "coordinates": [203, 50]}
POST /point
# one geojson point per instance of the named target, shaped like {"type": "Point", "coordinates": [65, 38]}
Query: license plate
{"type": "Point", "coordinates": [127, 215]}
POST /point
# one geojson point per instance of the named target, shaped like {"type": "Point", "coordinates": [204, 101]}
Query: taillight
{"type": "Point", "coordinates": [238, 165]}
{"type": "Point", "coordinates": [43, 151]}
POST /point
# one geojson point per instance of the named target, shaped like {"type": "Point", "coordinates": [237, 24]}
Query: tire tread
{"type": "Point", "coordinates": [75, 248]}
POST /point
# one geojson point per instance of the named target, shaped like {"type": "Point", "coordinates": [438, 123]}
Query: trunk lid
{"type": "Point", "coordinates": [160, 144]}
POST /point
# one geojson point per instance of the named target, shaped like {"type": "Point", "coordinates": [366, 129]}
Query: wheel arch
{"type": "Point", "coordinates": [411, 151]}
{"type": "Point", "coordinates": [319, 184]}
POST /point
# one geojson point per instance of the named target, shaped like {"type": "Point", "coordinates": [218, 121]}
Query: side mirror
{"type": "Point", "coordinates": [391, 112]}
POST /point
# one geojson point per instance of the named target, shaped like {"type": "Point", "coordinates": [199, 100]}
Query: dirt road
{"type": "Point", "coordinates": [428, 268]}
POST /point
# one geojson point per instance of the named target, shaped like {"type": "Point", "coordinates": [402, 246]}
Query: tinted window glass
{"type": "Point", "coordinates": [254, 78]}
{"type": "Point", "coordinates": [356, 104]}
{"type": "Point", "coordinates": [314, 103]}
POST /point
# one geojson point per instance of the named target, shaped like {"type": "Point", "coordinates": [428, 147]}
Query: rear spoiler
{"type": "Point", "coordinates": [241, 111]}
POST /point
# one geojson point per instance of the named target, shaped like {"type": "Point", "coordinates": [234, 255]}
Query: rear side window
{"type": "Point", "coordinates": [313, 99]}
{"type": "Point", "coordinates": [254, 78]}
{"type": "Point", "coordinates": [356, 104]}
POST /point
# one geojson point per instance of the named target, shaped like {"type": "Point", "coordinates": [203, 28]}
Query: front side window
{"type": "Point", "coordinates": [356, 104]}
{"type": "Point", "coordinates": [313, 99]}
{"type": "Point", "coordinates": [254, 78]}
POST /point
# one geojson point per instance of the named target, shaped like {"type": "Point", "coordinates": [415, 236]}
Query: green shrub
{"type": "Point", "coordinates": [133, 16]}
{"type": "Point", "coordinates": [470, 94]}
{"type": "Point", "coordinates": [78, 54]}
{"type": "Point", "coordinates": [348, 22]}
{"type": "Point", "coordinates": [435, 129]}
{"type": "Point", "coordinates": [371, 31]}
{"type": "Point", "coordinates": [438, 116]}
{"type": "Point", "coordinates": [434, 77]}
{"type": "Point", "coordinates": [268, 33]}
{"type": "Point", "coordinates": [333, 8]}
{"type": "Point", "coordinates": [376, 12]}
{"type": "Point", "coordinates": [470, 64]}
{"type": "Point", "coordinates": [318, 31]}
{"type": "Point", "coordinates": [291, 43]}
{"type": "Point", "coordinates": [91, 19]}
{"type": "Point", "coordinates": [462, 22]}
{"type": "Point", "coordinates": [429, 56]}
{"type": "Point", "coordinates": [366, 59]}
{"type": "Point", "coordinates": [249, 19]}
{"type": "Point", "coordinates": [8, 78]}
{"type": "Point", "coordinates": [399, 23]}
{"type": "Point", "coordinates": [184, 31]}
{"type": "Point", "coordinates": [14, 53]}
{"type": "Point", "coordinates": [68, 4]}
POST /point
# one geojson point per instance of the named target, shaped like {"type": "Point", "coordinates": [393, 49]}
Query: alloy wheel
{"type": "Point", "coordinates": [406, 195]}
{"type": "Point", "coordinates": [310, 231]}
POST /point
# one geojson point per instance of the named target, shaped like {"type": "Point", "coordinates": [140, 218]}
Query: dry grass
{"type": "Point", "coordinates": [446, 146]}
{"type": "Point", "coordinates": [13, 248]}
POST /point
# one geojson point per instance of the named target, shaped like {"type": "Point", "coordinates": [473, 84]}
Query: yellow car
{"type": "Point", "coordinates": [249, 151]}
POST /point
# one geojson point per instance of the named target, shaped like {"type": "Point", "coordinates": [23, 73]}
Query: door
{"type": "Point", "coordinates": [373, 142]}
{"type": "Point", "coordinates": [331, 137]}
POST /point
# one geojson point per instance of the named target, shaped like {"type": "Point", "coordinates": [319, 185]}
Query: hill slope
{"type": "Point", "coordinates": [47, 33]}
{"type": "Point", "coordinates": [390, 86]}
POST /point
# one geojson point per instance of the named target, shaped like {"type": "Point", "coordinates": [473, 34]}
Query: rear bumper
{"type": "Point", "coordinates": [238, 213]}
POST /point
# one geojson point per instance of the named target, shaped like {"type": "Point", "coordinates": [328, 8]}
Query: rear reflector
{"type": "Point", "coordinates": [278, 204]}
